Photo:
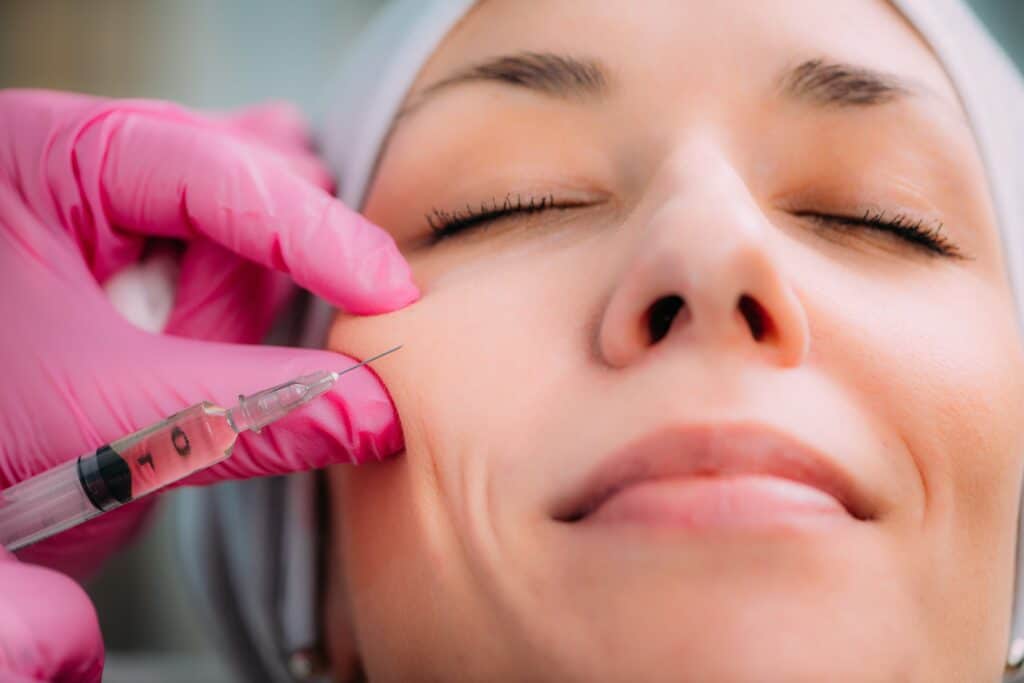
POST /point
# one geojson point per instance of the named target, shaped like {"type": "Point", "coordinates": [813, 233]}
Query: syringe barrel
{"type": "Point", "coordinates": [42, 506]}
{"type": "Point", "coordinates": [114, 474]}
{"type": "Point", "coordinates": [184, 443]}
{"type": "Point", "coordinates": [148, 460]}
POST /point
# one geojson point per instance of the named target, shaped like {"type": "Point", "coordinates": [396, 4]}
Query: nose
{"type": "Point", "coordinates": [701, 272]}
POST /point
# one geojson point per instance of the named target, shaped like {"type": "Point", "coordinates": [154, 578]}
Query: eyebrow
{"type": "Point", "coordinates": [835, 84]}
{"type": "Point", "coordinates": [561, 76]}
{"type": "Point", "coordinates": [818, 82]}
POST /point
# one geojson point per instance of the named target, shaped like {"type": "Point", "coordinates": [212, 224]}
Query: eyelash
{"type": "Point", "coordinates": [445, 224]}
{"type": "Point", "coordinates": [912, 230]}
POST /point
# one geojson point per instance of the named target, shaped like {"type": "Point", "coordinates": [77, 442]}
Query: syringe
{"type": "Point", "coordinates": [147, 460]}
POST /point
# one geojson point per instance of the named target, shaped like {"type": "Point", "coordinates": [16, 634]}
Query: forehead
{"type": "Point", "coordinates": [668, 44]}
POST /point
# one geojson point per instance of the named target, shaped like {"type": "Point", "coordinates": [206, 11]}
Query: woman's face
{"type": "Point", "coordinates": [668, 414]}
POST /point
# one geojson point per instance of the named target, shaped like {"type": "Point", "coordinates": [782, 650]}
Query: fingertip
{"type": "Point", "coordinates": [359, 417]}
{"type": "Point", "coordinates": [52, 624]}
{"type": "Point", "coordinates": [390, 297]}
{"type": "Point", "coordinates": [382, 421]}
{"type": "Point", "coordinates": [368, 273]}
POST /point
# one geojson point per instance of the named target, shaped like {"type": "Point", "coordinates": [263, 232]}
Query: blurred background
{"type": "Point", "coordinates": [208, 54]}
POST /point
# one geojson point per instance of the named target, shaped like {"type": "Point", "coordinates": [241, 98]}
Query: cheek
{"type": "Point", "coordinates": [477, 347]}
{"type": "Point", "coordinates": [940, 369]}
{"type": "Point", "coordinates": [965, 431]}
{"type": "Point", "coordinates": [948, 376]}
{"type": "Point", "coordinates": [392, 551]}
{"type": "Point", "coordinates": [462, 384]}
{"type": "Point", "coordinates": [936, 358]}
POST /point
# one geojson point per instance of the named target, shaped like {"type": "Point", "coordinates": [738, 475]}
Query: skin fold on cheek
{"type": "Point", "coordinates": [450, 384]}
{"type": "Point", "coordinates": [413, 506]}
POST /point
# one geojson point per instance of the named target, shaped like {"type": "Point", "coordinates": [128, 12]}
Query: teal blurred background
{"type": "Point", "coordinates": [1005, 19]}
{"type": "Point", "coordinates": [210, 54]}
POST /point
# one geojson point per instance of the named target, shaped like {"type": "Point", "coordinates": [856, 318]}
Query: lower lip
{"type": "Point", "coordinates": [718, 503]}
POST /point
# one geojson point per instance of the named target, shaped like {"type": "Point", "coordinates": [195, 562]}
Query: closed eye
{"type": "Point", "coordinates": [446, 224]}
{"type": "Point", "coordinates": [912, 230]}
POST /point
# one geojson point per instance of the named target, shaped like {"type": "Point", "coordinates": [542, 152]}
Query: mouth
{"type": "Point", "coordinates": [715, 476]}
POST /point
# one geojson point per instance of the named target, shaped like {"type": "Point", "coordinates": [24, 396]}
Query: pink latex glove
{"type": "Point", "coordinates": [85, 186]}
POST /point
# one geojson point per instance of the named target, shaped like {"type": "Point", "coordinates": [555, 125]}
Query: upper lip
{"type": "Point", "coordinates": [713, 451]}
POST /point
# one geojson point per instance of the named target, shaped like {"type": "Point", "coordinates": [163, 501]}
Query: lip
{"type": "Point", "coordinates": [714, 475]}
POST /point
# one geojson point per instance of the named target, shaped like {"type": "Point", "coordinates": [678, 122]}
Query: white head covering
{"type": "Point", "coordinates": [250, 547]}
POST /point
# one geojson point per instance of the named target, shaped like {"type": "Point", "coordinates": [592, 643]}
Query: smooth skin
{"type": "Point", "coordinates": [527, 360]}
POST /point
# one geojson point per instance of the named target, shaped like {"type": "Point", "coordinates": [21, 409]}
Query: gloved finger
{"type": "Point", "coordinates": [275, 123]}
{"type": "Point", "coordinates": [223, 297]}
{"type": "Point", "coordinates": [48, 627]}
{"type": "Point", "coordinates": [354, 422]}
{"type": "Point", "coordinates": [298, 161]}
{"type": "Point", "coordinates": [308, 167]}
{"type": "Point", "coordinates": [280, 128]}
{"type": "Point", "coordinates": [209, 184]}
{"type": "Point", "coordinates": [81, 551]}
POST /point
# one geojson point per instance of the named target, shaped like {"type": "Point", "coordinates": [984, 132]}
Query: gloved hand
{"type": "Point", "coordinates": [48, 629]}
{"type": "Point", "coordinates": [87, 186]}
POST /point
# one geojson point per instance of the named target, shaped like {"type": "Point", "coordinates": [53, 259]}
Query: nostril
{"type": "Point", "coordinates": [756, 317]}
{"type": "Point", "coordinates": [660, 316]}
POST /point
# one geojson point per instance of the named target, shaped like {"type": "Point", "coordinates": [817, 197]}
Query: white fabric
{"type": "Point", "coordinates": [265, 611]}
{"type": "Point", "coordinates": [373, 82]}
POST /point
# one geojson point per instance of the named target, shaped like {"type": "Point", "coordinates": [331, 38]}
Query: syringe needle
{"type": "Point", "coordinates": [368, 360]}
{"type": "Point", "coordinates": [256, 411]}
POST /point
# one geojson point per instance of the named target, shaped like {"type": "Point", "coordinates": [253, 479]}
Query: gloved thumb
{"type": "Point", "coordinates": [48, 627]}
{"type": "Point", "coordinates": [354, 422]}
